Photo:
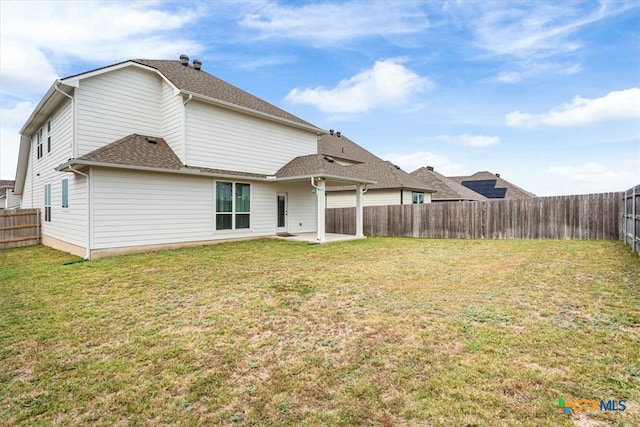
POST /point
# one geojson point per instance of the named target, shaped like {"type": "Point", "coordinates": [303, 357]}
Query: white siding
{"type": "Point", "coordinates": [67, 224]}
{"type": "Point", "coordinates": [224, 139]}
{"type": "Point", "coordinates": [347, 199]}
{"type": "Point", "coordinates": [134, 208]}
{"type": "Point", "coordinates": [113, 105]}
{"type": "Point", "coordinates": [301, 207]}
{"type": "Point", "coordinates": [172, 120]}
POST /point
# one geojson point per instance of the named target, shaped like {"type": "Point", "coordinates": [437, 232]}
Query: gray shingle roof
{"type": "Point", "coordinates": [200, 82]}
{"type": "Point", "coordinates": [513, 191]}
{"type": "Point", "coordinates": [446, 189]}
{"type": "Point", "coordinates": [341, 147]}
{"type": "Point", "coordinates": [136, 150]}
{"type": "Point", "coordinates": [317, 164]}
{"type": "Point", "coordinates": [387, 176]}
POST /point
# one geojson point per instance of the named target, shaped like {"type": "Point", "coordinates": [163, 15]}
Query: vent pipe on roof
{"type": "Point", "coordinates": [338, 134]}
{"type": "Point", "coordinates": [497, 175]}
{"type": "Point", "coordinates": [184, 60]}
{"type": "Point", "coordinates": [330, 131]}
{"type": "Point", "coordinates": [197, 64]}
{"type": "Point", "coordinates": [429, 168]}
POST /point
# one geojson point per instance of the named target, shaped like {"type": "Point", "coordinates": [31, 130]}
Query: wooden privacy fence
{"type": "Point", "coordinates": [19, 227]}
{"type": "Point", "coordinates": [631, 218]}
{"type": "Point", "coordinates": [589, 217]}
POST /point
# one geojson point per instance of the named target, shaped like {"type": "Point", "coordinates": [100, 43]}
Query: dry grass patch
{"type": "Point", "coordinates": [374, 332]}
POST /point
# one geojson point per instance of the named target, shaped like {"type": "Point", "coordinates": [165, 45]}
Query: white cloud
{"type": "Point", "coordinates": [12, 121]}
{"type": "Point", "coordinates": [534, 33]}
{"type": "Point", "coordinates": [624, 104]}
{"type": "Point", "coordinates": [412, 161]}
{"type": "Point", "coordinates": [592, 177]}
{"type": "Point", "coordinates": [40, 38]}
{"type": "Point", "coordinates": [325, 24]}
{"type": "Point", "coordinates": [387, 83]}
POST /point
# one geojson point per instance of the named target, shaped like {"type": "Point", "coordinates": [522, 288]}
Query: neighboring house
{"type": "Point", "coordinates": [8, 199]}
{"type": "Point", "coordinates": [447, 190]}
{"type": "Point", "coordinates": [393, 187]}
{"type": "Point", "coordinates": [492, 186]}
{"type": "Point", "coordinates": [149, 154]}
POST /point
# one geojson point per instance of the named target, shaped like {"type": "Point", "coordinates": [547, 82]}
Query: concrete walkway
{"type": "Point", "coordinates": [312, 237]}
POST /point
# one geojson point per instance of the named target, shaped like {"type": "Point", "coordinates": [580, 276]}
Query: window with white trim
{"type": "Point", "coordinates": [44, 134]}
{"type": "Point", "coordinates": [233, 205]}
{"type": "Point", "coordinates": [417, 198]}
{"type": "Point", "coordinates": [47, 202]}
{"type": "Point", "coordinates": [65, 193]}
{"type": "Point", "coordinates": [39, 144]}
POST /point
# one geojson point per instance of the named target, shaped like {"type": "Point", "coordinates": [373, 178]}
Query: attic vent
{"type": "Point", "coordinates": [338, 134]}
{"type": "Point", "coordinates": [429, 168]}
{"type": "Point", "coordinates": [197, 64]}
{"type": "Point", "coordinates": [152, 140]}
{"type": "Point", "coordinates": [330, 131]}
{"type": "Point", "coordinates": [397, 167]}
{"type": "Point", "coordinates": [184, 60]}
{"type": "Point", "coordinates": [498, 175]}
{"type": "Point", "coordinates": [329, 159]}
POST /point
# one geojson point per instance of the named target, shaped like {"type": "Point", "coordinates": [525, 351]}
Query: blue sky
{"type": "Point", "coordinates": [546, 93]}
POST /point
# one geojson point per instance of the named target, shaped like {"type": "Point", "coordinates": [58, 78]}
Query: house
{"type": "Point", "coordinates": [393, 187]}
{"type": "Point", "coordinates": [150, 154]}
{"type": "Point", "coordinates": [492, 186]}
{"type": "Point", "coordinates": [8, 199]}
{"type": "Point", "coordinates": [447, 190]}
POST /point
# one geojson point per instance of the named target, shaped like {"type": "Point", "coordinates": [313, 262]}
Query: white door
{"type": "Point", "coordinates": [281, 226]}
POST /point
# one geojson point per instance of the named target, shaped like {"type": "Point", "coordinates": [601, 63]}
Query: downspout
{"type": "Point", "coordinates": [88, 249]}
{"type": "Point", "coordinates": [73, 119]}
{"type": "Point", "coordinates": [184, 128]}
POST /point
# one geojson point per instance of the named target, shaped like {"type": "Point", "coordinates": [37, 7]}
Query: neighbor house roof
{"type": "Point", "coordinates": [5, 186]}
{"type": "Point", "coordinates": [491, 185]}
{"type": "Point", "coordinates": [387, 175]}
{"type": "Point", "coordinates": [340, 147]}
{"type": "Point", "coordinates": [446, 188]}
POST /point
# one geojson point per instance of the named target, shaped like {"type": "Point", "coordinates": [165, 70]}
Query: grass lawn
{"type": "Point", "coordinates": [382, 331]}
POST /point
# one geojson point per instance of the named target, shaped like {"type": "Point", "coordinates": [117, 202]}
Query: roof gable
{"type": "Point", "coordinates": [387, 175]}
{"type": "Point", "coordinates": [188, 79]}
{"type": "Point", "coordinates": [339, 146]}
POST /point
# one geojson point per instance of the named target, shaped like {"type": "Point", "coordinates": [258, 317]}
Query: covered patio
{"type": "Point", "coordinates": [322, 171]}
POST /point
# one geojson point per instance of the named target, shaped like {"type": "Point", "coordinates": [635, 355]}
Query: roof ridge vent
{"type": "Point", "coordinates": [184, 60]}
{"type": "Point", "coordinates": [429, 168]}
{"type": "Point", "coordinates": [151, 140]}
{"type": "Point", "coordinates": [338, 134]}
{"type": "Point", "coordinates": [329, 159]}
{"type": "Point", "coordinates": [197, 64]}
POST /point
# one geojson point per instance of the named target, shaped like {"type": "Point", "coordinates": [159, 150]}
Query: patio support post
{"type": "Point", "coordinates": [322, 206]}
{"type": "Point", "coordinates": [359, 210]}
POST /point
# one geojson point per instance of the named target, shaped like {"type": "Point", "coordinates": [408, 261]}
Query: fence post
{"type": "Point", "coordinates": [634, 223]}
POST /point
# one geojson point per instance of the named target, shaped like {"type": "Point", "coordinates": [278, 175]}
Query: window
{"type": "Point", "coordinates": [39, 145]}
{"type": "Point", "coordinates": [65, 193]}
{"type": "Point", "coordinates": [44, 133]}
{"type": "Point", "coordinates": [233, 205]}
{"type": "Point", "coordinates": [48, 136]}
{"type": "Point", "coordinates": [47, 202]}
{"type": "Point", "coordinates": [418, 198]}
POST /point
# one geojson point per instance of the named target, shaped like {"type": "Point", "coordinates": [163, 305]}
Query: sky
{"type": "Point", "coordinates": [545, 93]}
